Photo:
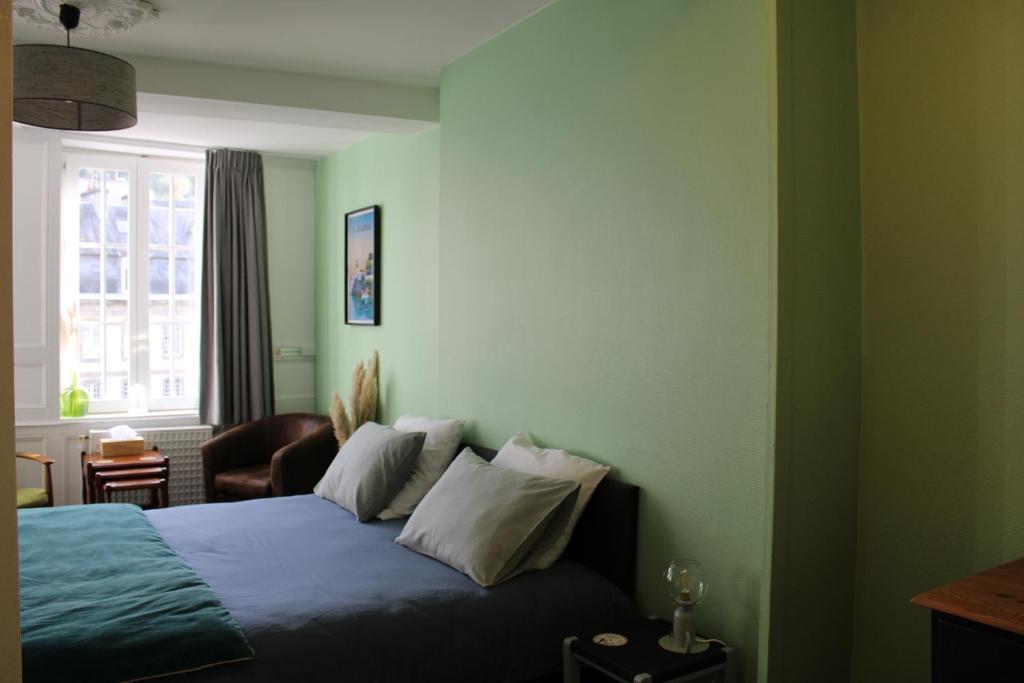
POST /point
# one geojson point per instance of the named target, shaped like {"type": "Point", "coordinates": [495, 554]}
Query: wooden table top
{"type": "Point", "coordinates": [145, 459]}
{"type": "Point", "coordinates": [130, 473]}
{"type": "Point", "coordinates": [994, 597]}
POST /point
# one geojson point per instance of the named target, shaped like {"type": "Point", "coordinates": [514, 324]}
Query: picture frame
{"type": "Point", "coordinates": [362, 266]}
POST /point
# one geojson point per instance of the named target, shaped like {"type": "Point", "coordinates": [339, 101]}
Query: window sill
{"type": "Point", "coordinates": [153, 415]}
{"type": "Point", "coordinates": [155, 418]}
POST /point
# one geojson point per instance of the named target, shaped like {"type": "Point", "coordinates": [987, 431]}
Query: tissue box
{"type": "Point", "coordinates": [109, 447]}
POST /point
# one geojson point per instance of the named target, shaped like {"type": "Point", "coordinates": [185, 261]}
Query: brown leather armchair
{"type": "Point", "coordinates": [283, 455]}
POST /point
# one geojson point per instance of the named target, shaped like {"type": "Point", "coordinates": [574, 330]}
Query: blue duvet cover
{"type": "Point", "coordinates": [322, 597]}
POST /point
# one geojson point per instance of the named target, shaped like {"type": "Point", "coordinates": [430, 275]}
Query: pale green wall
{"type": "Point", "coordinates": [289, 186]}
{"type": "Point", "coordinates": [401, 174]}
{"type": "Point", "coordinates": [607, 267]}
{"type": "Point", "coordinates": [942, 470]}
{"type": "Point", "coordinates": [818, 401]}
{"type": "Point", "coordinates": [603, 271]}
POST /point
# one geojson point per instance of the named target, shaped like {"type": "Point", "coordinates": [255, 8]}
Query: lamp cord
{"type": "Point", "coordinates": [711, 640]}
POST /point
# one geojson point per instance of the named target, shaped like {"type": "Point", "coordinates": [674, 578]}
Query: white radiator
{"type": "Point", "coordinates": [181, 446]}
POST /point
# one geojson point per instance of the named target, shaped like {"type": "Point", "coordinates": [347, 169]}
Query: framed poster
{"type": "Point", "coordinates": [362, 266]}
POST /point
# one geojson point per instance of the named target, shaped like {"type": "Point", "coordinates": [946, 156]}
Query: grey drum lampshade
{"type": "Point", "coordinates": [72, 89]}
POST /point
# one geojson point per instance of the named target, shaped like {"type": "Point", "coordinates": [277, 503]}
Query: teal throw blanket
{"type": "Point", "coordinates": [104, 598]}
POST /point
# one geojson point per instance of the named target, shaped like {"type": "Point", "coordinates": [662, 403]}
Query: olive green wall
{"type": "Point", "coordinates": [942, 471]}
{"type": "Point", "coordinates": [607, 267]}
{"type": "Point", "coordinates": [10, 650]}
{"type": "Point", "coordinates": [818, 399]}
{"type": "Point", "coordinates": [401, 174]}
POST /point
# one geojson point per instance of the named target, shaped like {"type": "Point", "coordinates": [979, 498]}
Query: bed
{"type": "Point", "coordinates": [320, 596]}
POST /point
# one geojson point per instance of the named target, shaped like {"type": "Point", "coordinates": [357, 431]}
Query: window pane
{"type": "Point", "coordinates": [159, 309]}
{"type": "Point", "coordinates": [160, 189]}
{"type": "Point", "coordinates": [184, 224]}
{"type": "Point", "coordinates": [184, 191]}
{"type": "Point", "coordinates": [89, 270]}
{"type": "Point", "coordinates": [189, 347]}
{"type": "Point", "coordinates": [184, 281]}
{"type": "Point", "coordinates": [159, 208]}
{"type": "Point", "coordinates": [117, 224]}
{"type": "Point", "coordinates": [89, 309]}
{"type": "Point", "coordinates": [159, 217]}
{"type": "Point", "coordinates": [113, 386]}
{"type": "Point", "coordinates": [166, 341]}
{"type": "Point", "coordinates": [88, 222]}
{"type": "Point", "coordinates": [116, 354]}
{"type": "Point", "coordinates": [90, 181]}
{"type": "Point", "coordinates": [89, 341]}
{"type": "Point", "coordinates": [159, 264]}
{"type": "Point", "coordinates": [92, 384]}
{"type": "Point", "coordinates": [117, 206]}
{"type": "Point", "coordinates": [116, 271]}
{"type": "Point", "coordinates": [116, 310]}
{"type": "Point", "coordinates": [160, 348]}
{"type": "Point", "coordinates": [186, 309]}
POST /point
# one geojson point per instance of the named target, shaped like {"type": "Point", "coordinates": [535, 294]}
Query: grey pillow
{"type": "Point", "coordinates": [488, 521]}
{"type": "Point", "coordinates": [370, 469]}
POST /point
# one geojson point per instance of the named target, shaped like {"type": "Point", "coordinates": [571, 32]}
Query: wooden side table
{"type": "Point", "coordinates": [642, 660]}
{"type": "Point", "coordinates": [978, 627]}
{"type": "Point", "coordinates": [94, 462]}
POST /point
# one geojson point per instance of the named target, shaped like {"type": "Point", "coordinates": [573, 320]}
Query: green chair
{"type": "Point", "coordinates": [37, 498]}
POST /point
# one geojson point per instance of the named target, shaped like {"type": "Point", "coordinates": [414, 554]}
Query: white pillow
{"type": "Point", "coordinates": [443, 438]}
{"type": "Point", "coordinates": [487, 521]}
{"type": "Point", "coordinates": [370, 468]}
{"type": "Point", "coordinates": [520, 454]}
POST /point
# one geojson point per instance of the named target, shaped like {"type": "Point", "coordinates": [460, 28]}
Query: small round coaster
{"type": "Point", "coordinates": [611, 639]}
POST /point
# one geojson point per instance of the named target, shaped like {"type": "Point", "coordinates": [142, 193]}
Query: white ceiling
{"type": "Point", "coordinates": [394, 41]}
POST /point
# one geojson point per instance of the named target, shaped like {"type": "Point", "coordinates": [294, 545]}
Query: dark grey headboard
{"type": "Point", "coordinates": [605, 537]}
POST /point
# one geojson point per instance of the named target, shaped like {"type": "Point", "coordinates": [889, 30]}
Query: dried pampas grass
{"type": "Point", "coordinates": [342, 425]}
{"type": "Point", "coordinates": [358, 375]}
{"type": "Point", "coordinates": [367, 399]}
{"type": "Point", "coordinates": [362, 402]}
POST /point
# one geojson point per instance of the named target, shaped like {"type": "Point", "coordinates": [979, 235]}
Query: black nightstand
{"type": "Point", "coordinates": [642, 660]}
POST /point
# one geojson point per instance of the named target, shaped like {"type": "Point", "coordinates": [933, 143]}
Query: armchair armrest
{"type": "Point", "coordinates": [46, 462]}
{"type": "Point", "coordinates": [35, 457]}
{"type": "Point", "coordinates": [241, 446]}
{"type": "Point", "coordinates": [297, 467]}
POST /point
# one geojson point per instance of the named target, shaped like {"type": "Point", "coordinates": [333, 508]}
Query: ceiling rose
{"type": "Point", "coordinates": [98, 18]}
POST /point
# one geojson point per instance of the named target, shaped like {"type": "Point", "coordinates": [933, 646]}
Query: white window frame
{"type": "Point", "coordinates": [139, 168]}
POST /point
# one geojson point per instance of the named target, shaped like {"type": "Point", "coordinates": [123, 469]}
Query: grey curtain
{"type": "Point", "coordinates": [236, 371]}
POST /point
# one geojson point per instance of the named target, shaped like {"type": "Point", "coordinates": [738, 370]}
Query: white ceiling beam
{"type": "Point", "coordinates": [183, 78]}
{"type": "Point", "coordinates": [268, 113]}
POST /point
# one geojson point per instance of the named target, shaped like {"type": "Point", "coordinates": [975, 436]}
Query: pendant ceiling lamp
{"type": "Point", "coordinates": [70, 88]}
